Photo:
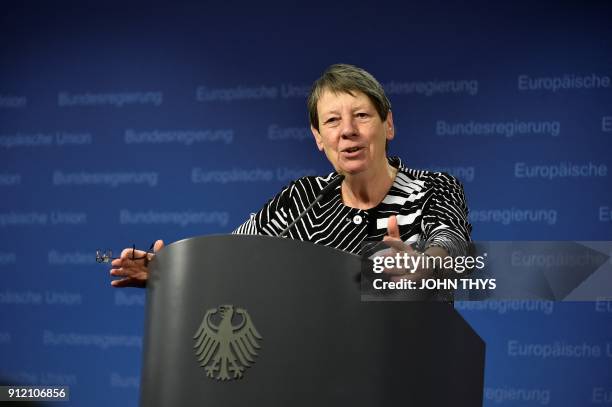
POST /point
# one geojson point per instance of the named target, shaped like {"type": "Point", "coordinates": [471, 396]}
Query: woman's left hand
{"type": "Point", "coordinates": [397, 246]}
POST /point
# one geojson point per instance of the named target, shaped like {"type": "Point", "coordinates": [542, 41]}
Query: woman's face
{"type": "Point", "coordinates": [351, 133]}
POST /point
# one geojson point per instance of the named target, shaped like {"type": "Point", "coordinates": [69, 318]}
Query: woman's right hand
{"type": "Point", "coordinates": [133, 273]}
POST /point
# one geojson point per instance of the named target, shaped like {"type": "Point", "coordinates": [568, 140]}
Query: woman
{"type": "Point", "coordinates": [379, 198]}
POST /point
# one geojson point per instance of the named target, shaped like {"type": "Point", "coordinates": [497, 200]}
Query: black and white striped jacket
{"type": "Point", "coordinates": [430, 207]}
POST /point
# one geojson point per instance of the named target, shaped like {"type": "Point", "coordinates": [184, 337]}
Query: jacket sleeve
{"type": "Point", "coordinates": [271, 220]}
{"type": "Point", "coordinates": [445, 219]}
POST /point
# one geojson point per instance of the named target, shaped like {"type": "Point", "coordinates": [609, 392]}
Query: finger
{"type": "Point", "coordinates": [130, 264]}
{"type": "Point", "coordinates": [399, 245]}
{"type": "Point", "coordinates": [125, 272]}
{"type": "Point", "coordinates": [398, 269]}
{"type": "Point", "coordinates": [127, 282]}
{"type": "Point", "coordinates": [159, 244]}
{"type": "Point", "coordinates": [395, 243]}
{"type": "Point", "coordinates": [127, 253]}
{"type": "Point", "coordinates": [418, 274]}
{"type": "Point", "coordinates": [394, 271]}
{"type": "Point", "coordinates": [120, 283]}
{"type": "Point", "coordinates": [119, 272]}
{"type": "Point", "coordinates": [392, 227]}
{"type": "Point", "coordinates": [131, 268]}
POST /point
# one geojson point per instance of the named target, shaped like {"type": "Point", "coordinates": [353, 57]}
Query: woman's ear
{"type": "Point", "coordinates": [390, 129]}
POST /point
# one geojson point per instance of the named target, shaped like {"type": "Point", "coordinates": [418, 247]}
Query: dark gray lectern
{"type": "Point", "coordinates": [260, 321]}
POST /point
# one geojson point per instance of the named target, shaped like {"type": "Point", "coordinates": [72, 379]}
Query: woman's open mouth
{"type": "Point", "coordinates": [351, 151]}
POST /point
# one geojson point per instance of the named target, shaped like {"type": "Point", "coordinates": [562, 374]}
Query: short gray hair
{"type": "Point", "coordinates": [344, 78]}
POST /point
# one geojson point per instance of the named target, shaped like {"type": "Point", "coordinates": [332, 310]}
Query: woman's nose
{"type": "Point", "coordinates": [348, 128]}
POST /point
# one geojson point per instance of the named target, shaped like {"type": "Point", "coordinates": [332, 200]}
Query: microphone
{"type": "Point", "coordinates": [324, 192]}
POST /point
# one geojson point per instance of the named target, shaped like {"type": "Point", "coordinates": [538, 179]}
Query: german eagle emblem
{"type": "Point", "coordinates": [225, 350]}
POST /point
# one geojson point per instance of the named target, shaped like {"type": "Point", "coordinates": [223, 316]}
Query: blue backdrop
{"type": "Point", "coordinates": [121, 124]}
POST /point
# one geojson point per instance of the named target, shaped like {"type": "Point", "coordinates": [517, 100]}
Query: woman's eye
{"type": "Point", "coordinates": [331, 120]}
{"type": "Point", "coordinates": [362, 115]}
